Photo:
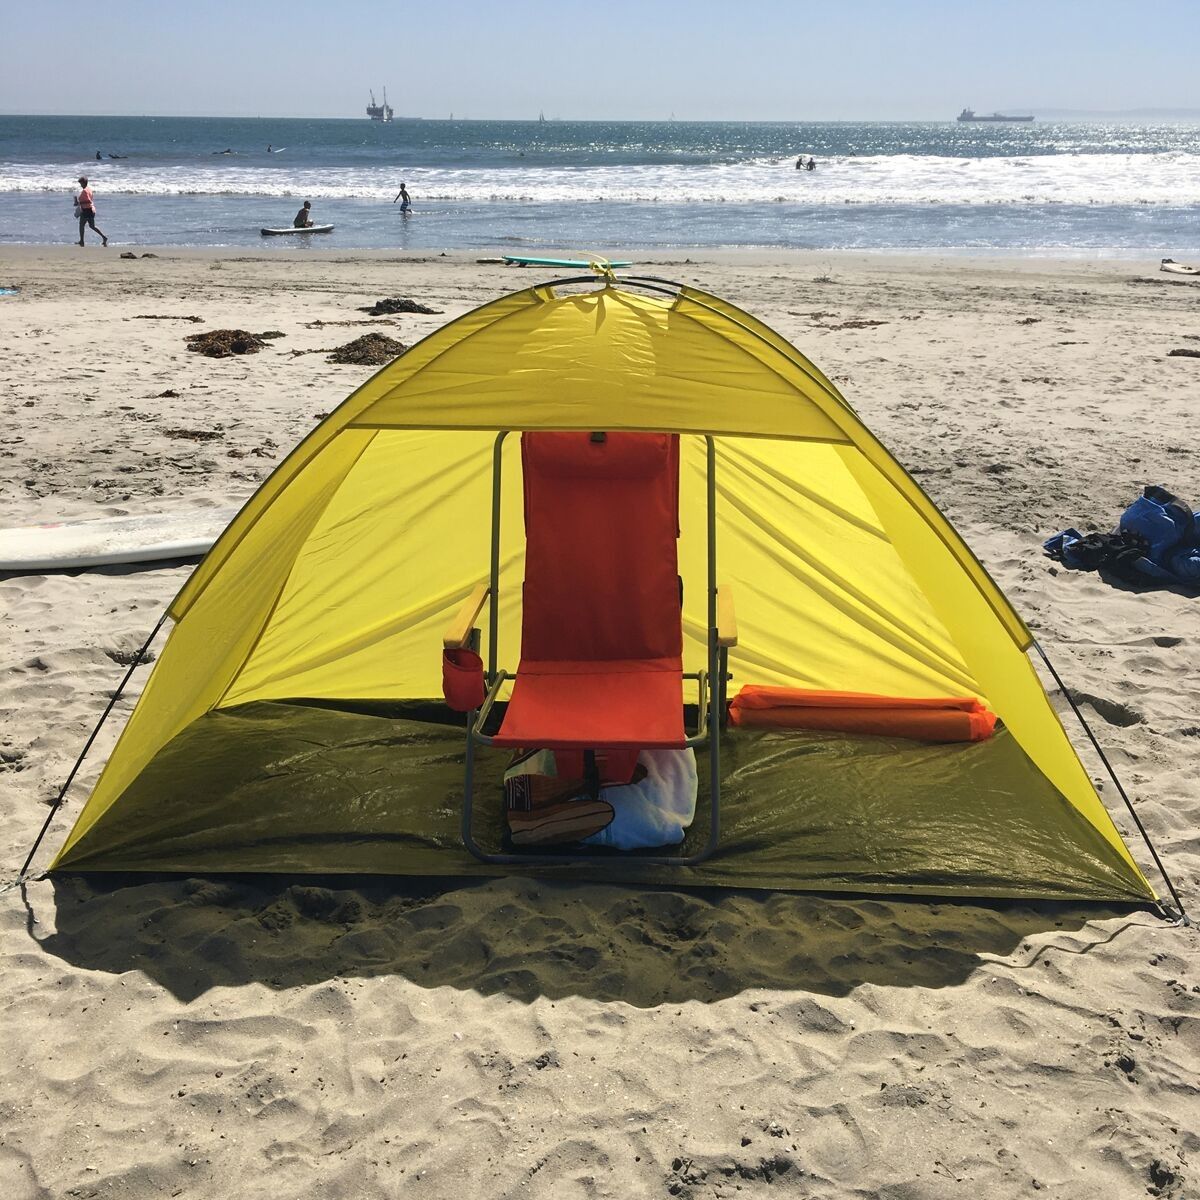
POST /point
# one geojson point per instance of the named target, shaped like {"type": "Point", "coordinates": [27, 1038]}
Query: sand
{"type": "Point", "coordinates": [213, 1038]}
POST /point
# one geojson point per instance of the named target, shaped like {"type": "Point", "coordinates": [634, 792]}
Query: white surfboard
{"type": "Point", "coordinates": [1169, 264]}
{"type": "Point", "coordinates": [63, 545]}
{"type": "Point", "coordinates": [291, 229]}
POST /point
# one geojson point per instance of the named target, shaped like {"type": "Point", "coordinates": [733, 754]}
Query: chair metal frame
{"type": "Point", "coordinates": [710, 685]}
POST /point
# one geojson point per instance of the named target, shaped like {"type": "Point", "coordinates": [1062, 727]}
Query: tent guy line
{"type": "Point", "coordinates": [1179, 915]}
{"type": "Point", "coordinates": [23, 874]}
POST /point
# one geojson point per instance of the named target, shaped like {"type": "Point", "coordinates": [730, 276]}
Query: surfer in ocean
{"type": "Point", "coordinates": [304, 217]}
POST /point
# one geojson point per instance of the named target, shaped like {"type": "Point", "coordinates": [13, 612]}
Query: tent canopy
{"type": "Point", "coordinates": [333, 584]}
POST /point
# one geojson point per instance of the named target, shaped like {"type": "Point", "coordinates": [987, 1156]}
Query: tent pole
{"type": "Point", "coordinates": [1179, 915]}
{"type": "Point", "coordinates": [62, 795]}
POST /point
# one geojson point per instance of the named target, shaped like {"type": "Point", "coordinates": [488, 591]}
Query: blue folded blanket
{"type": "Point", "coordinates": [1158, 538]}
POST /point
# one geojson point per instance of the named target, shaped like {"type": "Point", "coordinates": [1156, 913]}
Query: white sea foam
{"type": "Point", "coordinates": [1079, 179]}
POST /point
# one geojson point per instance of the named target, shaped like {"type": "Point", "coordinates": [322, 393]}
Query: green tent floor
{"type": "Point", "coordinates": [309, 788]}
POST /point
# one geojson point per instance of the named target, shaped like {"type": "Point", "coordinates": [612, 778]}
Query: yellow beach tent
{"type": "Point", "coordinates": [291, 722]}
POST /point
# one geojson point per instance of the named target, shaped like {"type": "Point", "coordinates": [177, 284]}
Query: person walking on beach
{"type": "Point", "coordinates": [406, 201]}
{"type": "Point", "coordinates": [85, 209]}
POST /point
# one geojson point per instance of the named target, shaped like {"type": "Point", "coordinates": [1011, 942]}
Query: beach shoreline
{"type": "Point", "coordinates": [746, 256]}
{"type": "Point", "coordinates": [349, 1038]}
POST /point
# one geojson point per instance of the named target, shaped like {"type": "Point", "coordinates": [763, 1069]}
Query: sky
{"type": "Point", "coordinates": [788, 60]}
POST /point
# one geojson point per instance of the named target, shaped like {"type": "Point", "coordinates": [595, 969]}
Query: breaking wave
{"type": "Point", "coordinates": [1130, 180]}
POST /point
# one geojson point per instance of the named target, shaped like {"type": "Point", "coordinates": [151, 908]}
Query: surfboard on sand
{"type": "Point", "coordinates": [290, 229]}
{"type": "Point", "coordinates": [1169, 264]}
{"type": "Point", "coordinates": [65, 545]}
{"type": "Point", "coordinates": [522, 260]}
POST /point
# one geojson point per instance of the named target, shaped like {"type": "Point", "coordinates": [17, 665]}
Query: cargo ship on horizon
{"type": "Point", "coordinates": [969, 114]}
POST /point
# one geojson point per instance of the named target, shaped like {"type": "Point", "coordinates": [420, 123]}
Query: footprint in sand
{"type": "Point", "coordinates": [1112, 711]}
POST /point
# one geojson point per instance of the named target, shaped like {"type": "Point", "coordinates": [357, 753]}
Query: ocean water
{"type": "Point", "coordinates": [595, 186]}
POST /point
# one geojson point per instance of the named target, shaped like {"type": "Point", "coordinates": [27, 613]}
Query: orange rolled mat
{"type": "Point", "coordinates": [945, 719]}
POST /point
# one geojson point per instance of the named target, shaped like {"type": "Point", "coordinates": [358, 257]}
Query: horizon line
{"type": "Point", "coordinates": [1109, 114]}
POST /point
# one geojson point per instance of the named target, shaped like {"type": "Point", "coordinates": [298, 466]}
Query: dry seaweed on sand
{"type": "Point", "coordinates": [318, 324]}
{"type": "Point", "coordinates": [222, 343]}
{"type": "Point", "coordinates": [370, 350]}
{"type": "Point", "coordinates": [857, 323]}
{"type": "Point", "coordinates": [1183, 352]}
{"type": "Point", "coordinates": [398, 304]}
{"type": "Point", "coordinates": [167, 317]}
{"type": "Point", "coordinates": [197, 435]}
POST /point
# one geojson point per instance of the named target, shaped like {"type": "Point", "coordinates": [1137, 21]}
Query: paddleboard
{"type": "Point", "coordinates": [310, 229]}
{"type": "Point", "coordinates": [1169, 264]}
{"type": "Point", "coordinates": [63, 545]}
{"type": "Point", "coordinates": [521, 260]}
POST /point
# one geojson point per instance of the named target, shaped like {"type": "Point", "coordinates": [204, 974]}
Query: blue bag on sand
{"type": "Point", "coordinates": [1158, 538]}
{"type": "Point", "coordinates": [1161, 519]}
{"type": "Point", "coordinates": [1185, 564]}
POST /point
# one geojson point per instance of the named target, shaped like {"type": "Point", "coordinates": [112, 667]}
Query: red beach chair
{"type": "Point", "coordinates": [601, 667]}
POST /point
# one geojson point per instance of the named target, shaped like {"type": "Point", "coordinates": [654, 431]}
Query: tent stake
{"type": "Point", "coordinates": [1179, 916]}
{"type": "Point", "coordinates": [62, 795]}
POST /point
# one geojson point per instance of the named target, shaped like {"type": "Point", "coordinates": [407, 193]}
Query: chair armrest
{"type": "Point", "coordinates": [726, 618]}
{"type": "Point", "coordinates": [458, 632]}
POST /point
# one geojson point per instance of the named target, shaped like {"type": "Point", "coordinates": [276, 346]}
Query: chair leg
{"type": "Point", "coordinates": [715, 725]}
{"type": "Point", "coordinates": [468, 836]}
{"type": "Point", "coordinates": [723, 687]}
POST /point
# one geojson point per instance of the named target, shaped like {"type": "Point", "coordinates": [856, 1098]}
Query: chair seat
{"type": "Point", "coordinates": [614, 705]}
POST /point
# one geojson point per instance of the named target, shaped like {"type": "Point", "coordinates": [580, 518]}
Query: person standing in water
{"type": "Point", "coordinates": [405, 200]}
{"type": "Point", "coordinates": [85, 204]}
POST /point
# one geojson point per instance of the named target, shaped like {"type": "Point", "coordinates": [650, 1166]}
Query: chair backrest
{"type": "Point", "coordinates": [601, 547]}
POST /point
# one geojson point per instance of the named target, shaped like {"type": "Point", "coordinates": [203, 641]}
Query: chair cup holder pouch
{"type": "Point", "coordinates": [462, 679]}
